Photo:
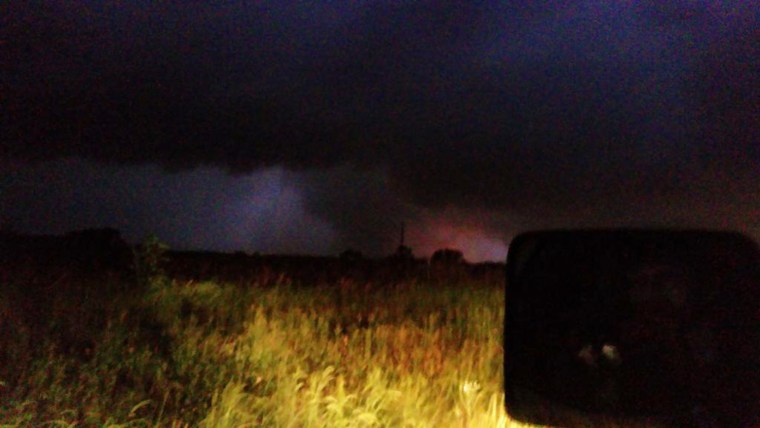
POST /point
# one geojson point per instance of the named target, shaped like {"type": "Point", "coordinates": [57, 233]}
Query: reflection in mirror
{"type": "Point", "coordinates": [651, 327]}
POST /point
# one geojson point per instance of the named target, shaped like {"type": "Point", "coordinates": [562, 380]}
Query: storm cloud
{"type": "Point", "coordinates": [496, 116]}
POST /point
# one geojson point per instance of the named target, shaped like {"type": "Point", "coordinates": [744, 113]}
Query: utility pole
{"type": "Point", "coordinates": [403, 252]}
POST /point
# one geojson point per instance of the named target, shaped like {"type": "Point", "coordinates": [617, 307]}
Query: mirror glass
{"type": "Point", "coordinates": [638, 327]}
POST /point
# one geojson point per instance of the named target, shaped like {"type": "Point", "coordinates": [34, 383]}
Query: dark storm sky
{"type": "Point", "coordinates": [310, 127]}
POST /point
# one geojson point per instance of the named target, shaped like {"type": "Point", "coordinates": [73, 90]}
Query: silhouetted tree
{"type": "Point", "coordinates": [351, 255]}
{"type": "Point", "coordinates": [447, 257]}
{"type": "Point", "coordinates": [403, 253]}
{"type": "Point", "coordinates": [447, 265]}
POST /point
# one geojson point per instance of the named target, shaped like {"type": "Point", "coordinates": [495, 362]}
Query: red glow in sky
{"type": "Point", "coordinates": [476, 244]}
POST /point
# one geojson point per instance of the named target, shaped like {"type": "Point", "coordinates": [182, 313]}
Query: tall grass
{"type": "Point", "coordinates": [220, 355]}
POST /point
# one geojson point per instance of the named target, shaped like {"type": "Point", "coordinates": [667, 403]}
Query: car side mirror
{"type": "Point", "coordinates": [649, 327]}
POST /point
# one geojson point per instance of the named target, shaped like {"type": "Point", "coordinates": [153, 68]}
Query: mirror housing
{"type": "Point", "coordinates": [634, 327]}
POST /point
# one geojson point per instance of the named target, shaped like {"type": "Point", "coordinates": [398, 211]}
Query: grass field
{"type": "Point", "coordinates": [211, 354]}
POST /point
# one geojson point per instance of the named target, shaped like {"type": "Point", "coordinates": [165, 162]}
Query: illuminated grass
{"type": "Point", "coordinates": [218, 355]}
